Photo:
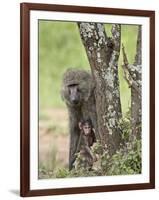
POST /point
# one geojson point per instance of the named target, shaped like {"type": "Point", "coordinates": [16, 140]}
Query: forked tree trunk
{"type": "Point", "coordinates": [103, 54]}
{"type": "Point", "coordinates": [133, 75]}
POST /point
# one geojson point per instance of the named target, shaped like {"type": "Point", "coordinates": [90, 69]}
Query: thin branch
{"type": "Point", "coordinates": [138, 55]}
{"type": "Point", "coordinates": [127, 73]}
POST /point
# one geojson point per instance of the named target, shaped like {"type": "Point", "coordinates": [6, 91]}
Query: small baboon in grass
{"type": "Point", "coordinates": [78, 93]}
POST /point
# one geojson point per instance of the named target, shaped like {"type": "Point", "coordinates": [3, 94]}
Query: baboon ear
{"type": "Point", "coordinates": [80, 125]}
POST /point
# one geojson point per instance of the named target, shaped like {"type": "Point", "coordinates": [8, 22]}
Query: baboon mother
{"type": "Point", "coordinates": [78, 93]}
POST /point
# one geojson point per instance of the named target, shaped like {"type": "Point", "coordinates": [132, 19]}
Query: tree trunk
{"type": "Point", "coordinates": [133, 75]}
{"type": "Point", "coordinates": [103, 54]}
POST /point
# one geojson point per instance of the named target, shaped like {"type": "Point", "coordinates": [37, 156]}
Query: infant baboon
{"type": "Point", "coordinates": [87, 132]}
{"type": "Point", "coordinates": [86, 140]}
{"type": "Point", "coordinates": [78, 93]}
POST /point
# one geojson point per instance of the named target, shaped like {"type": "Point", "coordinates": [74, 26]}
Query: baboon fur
{"type": "Point", "coordinates": [84, 108]}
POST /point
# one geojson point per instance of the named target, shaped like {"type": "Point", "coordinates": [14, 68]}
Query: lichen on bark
{"type": "Point", "coordinates": [103, 54]}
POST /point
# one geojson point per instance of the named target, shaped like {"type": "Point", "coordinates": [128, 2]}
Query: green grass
{"type": "Point", "coordinates": [60, 47]}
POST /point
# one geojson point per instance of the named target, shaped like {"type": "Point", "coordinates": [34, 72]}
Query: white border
{"type": "Point", "coordinates": [86, 181]}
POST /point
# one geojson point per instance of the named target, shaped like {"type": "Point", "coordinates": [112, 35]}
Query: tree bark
{"type": "Point", "coordinates": [133, 75]}
{"type": "Point", "coordinates": [103, 54]}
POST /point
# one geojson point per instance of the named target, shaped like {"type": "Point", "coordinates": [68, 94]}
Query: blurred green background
{"type": "Point", "coordinates": [60, 47]}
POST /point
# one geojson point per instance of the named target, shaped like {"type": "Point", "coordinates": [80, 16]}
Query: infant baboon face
{"type": "Point", "coordinates": [87, 129]}
{"type": "Point", "coordinates": [74, 94]}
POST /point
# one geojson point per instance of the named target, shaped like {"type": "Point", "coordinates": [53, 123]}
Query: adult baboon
{"type": "Point", "coordinates": [78, 93]}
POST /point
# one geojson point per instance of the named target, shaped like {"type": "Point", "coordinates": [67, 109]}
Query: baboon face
{"type": "Point", "coordinates": [87, 129]}
{"type": "Point", "coordinates": [77, 86]}
{"type": "Point", "coordinates": [74, 94]}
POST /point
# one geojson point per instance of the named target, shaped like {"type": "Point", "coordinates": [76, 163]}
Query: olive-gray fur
{"type": "Point", "coordinates": [84, 109]}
